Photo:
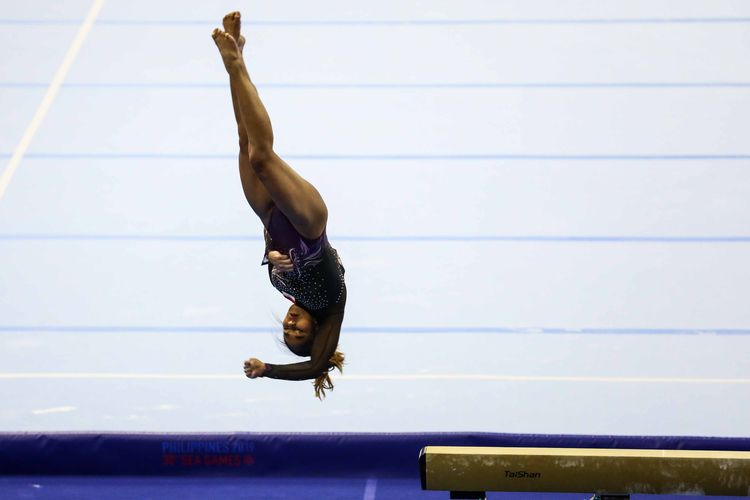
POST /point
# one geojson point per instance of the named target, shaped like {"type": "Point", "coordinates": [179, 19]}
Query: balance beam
{"type": "Point", "coordinates": [578, 470]}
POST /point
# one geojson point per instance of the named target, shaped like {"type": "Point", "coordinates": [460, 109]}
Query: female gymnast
{"type": "Point", "coordinates": [302, 265]}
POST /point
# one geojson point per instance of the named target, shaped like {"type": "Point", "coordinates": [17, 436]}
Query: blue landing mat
{"type": "Point", "coordinates": [263, 466]}
{"type": "Point", "coordinates": [261, 455]}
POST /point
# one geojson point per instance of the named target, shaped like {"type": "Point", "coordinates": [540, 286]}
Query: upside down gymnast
{"type": "Point", "coordinates": [302, 265]}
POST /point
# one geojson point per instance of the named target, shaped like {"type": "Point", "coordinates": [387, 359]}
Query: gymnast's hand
{"type": "Point", "coordinates": [280, 261]}
{"type": "Point", "coordinates": [254, 368]}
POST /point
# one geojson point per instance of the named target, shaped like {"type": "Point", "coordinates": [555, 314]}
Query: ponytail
{"type": "Point", "coordinates": [323, 382]}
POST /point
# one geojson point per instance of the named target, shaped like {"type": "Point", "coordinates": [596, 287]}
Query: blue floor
{"type": "Point", "coordinates": [127, 488]}
{"type": "Point", "coordinates": [540, 206]}
{"type": "Point", "coordinates": [198, 488]}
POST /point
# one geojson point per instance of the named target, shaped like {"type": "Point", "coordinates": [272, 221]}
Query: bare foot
{"type": "Point", "coordinates": [232, 26]}
{"type": "Point", "coordinates": [230, 52]}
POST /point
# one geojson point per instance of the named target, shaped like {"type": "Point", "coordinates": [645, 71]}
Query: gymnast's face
{"type": "Point", "coordinates": [298, 326]}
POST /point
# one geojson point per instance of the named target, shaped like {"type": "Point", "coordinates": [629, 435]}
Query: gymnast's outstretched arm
{"type": "Point", "coordinates": [324, 346]}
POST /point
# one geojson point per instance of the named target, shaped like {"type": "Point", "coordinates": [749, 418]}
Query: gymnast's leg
{"type": "Point", "coordinates": [255, 192]}
{"type": "Point", "coordinates": [293, 195]}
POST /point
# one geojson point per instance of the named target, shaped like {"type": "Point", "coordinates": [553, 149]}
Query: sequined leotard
{"type": "Point", "coordinates": [316, 284]}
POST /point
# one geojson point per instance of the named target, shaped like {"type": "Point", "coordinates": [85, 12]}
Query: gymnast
{"type": "Point", "coordinates": [302, 265]}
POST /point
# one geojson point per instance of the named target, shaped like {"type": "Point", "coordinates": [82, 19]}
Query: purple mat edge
{"type": "Point", "coordinates": [282, 454]}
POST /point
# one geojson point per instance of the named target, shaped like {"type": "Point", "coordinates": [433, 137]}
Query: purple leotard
{"type": "Point", "coordinates": [317, 281]}
{"type": "Point", "coordinates": [316, 284]}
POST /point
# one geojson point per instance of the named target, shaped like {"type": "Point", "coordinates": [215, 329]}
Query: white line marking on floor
{"type": "Point", "coordinates": [371, 487]}
{"type": "Point", "coordinates": [373, 377]}
{"type": "Point", "coordinates": [122, 376]}
{"type": "Point", "coordinates": [57, 409]}
{"type": "Point", "coordinates": [49, 96]}
{"type": "Point", "coordinates": [552, 378]}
